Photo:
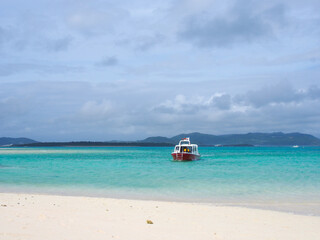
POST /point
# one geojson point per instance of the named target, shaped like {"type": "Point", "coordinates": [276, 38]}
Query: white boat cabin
{"type": "Point", "coordinates": [185, 146]}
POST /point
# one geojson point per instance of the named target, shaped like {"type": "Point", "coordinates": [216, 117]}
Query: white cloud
{"type": "Point", "coordinates": [183, 104]}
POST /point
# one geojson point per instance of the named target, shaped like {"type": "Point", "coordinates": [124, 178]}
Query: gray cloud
{"type": "Point", "coordinates": [121, 94]}
{"type": "Point", "coordinates": [11, 107]}
{"type": "Point", "coordinates": [222, 101]}
{"type": "Point", "coordinates": [93, 19]}
{"type": "Point", "coordinates": [33, 32]}
{"type": "Point", "coordinates": [60, 44]}
{"type": "Point", "coordinates": [278, 94]}
{"type": "Point", "coordinates": [82, 111]}
{"type": "Point", "coordinates": [313, 92]}
{"type": "Point", "coordinates": [278, 107]}
{"type": "Point", "coordinates": [7, 69]}
{"type": "Point", "coordinates": [147, 42]}
{"type": "Point", "coordinates": [275, 14]}
{"type": "Point", "coordinates": [96, 109]}
{"type": "Point", "coordinates": [108, 62]}
{"type": "Point", "coordinates": [3, 35]}
{"type": "Point", "coordinates": [143, 42]}
{"type": "Point", "coordinates": [242, 25]}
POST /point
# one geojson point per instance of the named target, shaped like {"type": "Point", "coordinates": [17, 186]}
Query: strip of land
{"type": "Point", "coordinates": [35, 217]}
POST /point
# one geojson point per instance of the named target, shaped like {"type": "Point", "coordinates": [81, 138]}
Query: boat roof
{"type": "Point", "coordinates": [186, 141]}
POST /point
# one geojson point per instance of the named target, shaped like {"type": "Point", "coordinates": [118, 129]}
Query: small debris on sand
{"type": "Point", "coordinates": [149, 222]}
{"type": "Point", "coordinates": [3, 205]}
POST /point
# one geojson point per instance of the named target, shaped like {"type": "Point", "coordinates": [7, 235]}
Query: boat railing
{"type": "Point", "coordinates": [185, 140]}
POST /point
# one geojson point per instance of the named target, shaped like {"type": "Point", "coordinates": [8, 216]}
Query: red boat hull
{"type": "Point", "coordinates": [185, 156]}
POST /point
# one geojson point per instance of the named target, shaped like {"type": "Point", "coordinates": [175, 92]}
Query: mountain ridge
{"type": "Point", "coordinates": [12, 141]}
{"type": "Point", "coordinates": [257, 138]}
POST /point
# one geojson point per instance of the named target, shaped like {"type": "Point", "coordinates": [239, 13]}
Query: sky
{"type": "Point", "coordinates": [103, 70]}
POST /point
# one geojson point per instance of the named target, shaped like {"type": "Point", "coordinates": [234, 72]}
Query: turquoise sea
{"type": "Point", "coordinates": [283, 178]}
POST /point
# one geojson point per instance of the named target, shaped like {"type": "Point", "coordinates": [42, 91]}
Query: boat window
{"type": "Point", "coordinates": [177, 148]}
{"type": "Point", "coordinates": [186, 149]}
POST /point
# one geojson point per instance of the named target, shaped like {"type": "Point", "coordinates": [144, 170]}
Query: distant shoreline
{"type": "Point", "coordinates": [114, 144]}
{"type": "Point", "coordinates": [229, 140]}
{"type": "Point", "coordinates": [134, 144]}
{"type": "Point", "coordinates": [93, 144]}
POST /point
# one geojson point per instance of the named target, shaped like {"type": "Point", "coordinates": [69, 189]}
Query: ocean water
{"type": "Point", "coordinates": [283, 178]}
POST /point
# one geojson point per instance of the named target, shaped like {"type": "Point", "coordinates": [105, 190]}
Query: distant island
{"type": "Point", "coordinates": [256, 139]}
{"type": "Point", "coordinates": [7, 141]}
{"type": "Point", "coordinates": [249, 139]}
{"type": "Point", "coordinates": [94, 144]}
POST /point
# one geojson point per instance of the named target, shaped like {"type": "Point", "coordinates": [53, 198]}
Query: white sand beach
{"type": "Point", "coordinates": [38, 217]}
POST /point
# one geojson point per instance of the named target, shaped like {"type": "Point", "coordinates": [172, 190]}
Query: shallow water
{"type": "Point", "coordinates": [250, 176]}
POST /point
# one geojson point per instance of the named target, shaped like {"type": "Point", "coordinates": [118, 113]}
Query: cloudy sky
{"type": "Point", "coordinates": [126, 70]}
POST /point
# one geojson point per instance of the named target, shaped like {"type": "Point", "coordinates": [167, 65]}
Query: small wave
{"type": "Point", "coordinates": [8, 167]}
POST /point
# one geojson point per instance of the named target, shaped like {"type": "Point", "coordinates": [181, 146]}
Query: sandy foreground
{"type": "Point", "coordinates": [29, 216]}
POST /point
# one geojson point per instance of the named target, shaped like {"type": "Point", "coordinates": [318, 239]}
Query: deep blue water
{"type": "Point", "coordinates": [226, 174]}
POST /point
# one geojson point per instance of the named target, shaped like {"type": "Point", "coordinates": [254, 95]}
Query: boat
{"type": "Point", "coordinates": [295, 146]}
{"type": "Point", "coordinates": [185, 151]}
